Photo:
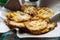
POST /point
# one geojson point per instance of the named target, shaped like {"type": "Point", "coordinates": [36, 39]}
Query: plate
{"type": "Point", "coordinates": [55, 5]}
{"type": "Point", "coordinates": [54, 33]}
{"type": "Point", "coordinates": [3, 27]}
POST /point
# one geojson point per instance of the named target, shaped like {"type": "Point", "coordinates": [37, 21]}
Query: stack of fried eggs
{"type": "Point", "coordinates": [35, 20]}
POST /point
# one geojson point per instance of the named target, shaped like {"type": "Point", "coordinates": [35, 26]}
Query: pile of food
{"type": "Point", "coordinates": [35, 20]}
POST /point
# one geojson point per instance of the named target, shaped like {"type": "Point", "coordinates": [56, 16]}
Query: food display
{"type": "Point", "coordinates": [35, 20]}
{"type": "Point", "coordinates": [18, 16]}
{"type": "Point", "coordinates": [45, 12]}
{"type": "Point", "coordinates": [36, 26]}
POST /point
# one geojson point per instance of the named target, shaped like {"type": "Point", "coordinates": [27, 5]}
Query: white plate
{"type": "Point", "coordinates": [3, 27]}
{"type": "Point", "coordinates": [55, 5]}
{"type": "Point", "coordinates": [54, 33]}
